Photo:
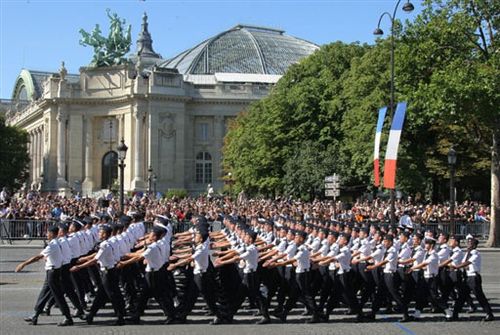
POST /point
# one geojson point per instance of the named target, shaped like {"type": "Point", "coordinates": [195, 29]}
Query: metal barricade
{"type": "Point", "coordinates": [11, 230]}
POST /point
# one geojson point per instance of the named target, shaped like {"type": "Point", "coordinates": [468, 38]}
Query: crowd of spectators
{"type": "Point", "coordinates": [33, 205]}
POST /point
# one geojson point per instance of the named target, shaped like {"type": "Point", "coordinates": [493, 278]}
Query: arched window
{"type": "Point", "coordinates": [109, 169]}
{"type": "Point", "coordinates": [23, 94]}
{"type": "Point", "coordinates": [203, 173]}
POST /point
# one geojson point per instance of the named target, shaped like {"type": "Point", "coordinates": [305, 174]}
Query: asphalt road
{"type": "Point", "coordinates": [18, 292]}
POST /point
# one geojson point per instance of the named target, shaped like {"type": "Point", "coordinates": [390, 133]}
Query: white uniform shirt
{"type": "Point", "coordinates": [444, 253]}
{"type": "Point", "coordinates": [153, 256]}
{"type": "Point", "coordinates": [432, 268]}
{"type": "Point", "coordinates": [378, 254]}
{"type": "Point", "coordinates": [105, 256]}
{"type": "Point", "coordinates": [475, 263]}
{"type": "Point", "coordinates": [316, 244]}
{"type": "Point", "coordinates": [282, 245]}
{"type": "Point", "coordinates": [457, 256]}
{"type": "Point", "coordinates": [302, 258]}
{"type": "Point", "coordinates": [334, 251]}
{"type": "Point", "coordinates": [200, 258]}
{"type": "Point", "coordinates": [74, 244]}
{"type": "Point", "coordinates": [65, 249]}
{"type": "Point", "coordinates": [365, 248]}
{"type": "Point", "coordinates": [391, 256]}
{"type": "Point", "coordinates": [53, 255]}
{"type": "Point", "coordinates": [325, 248]}
{"type": "Point", "coordinates": [251, 258]}
{"type": "Point", "coordinates": [419, 255]}
{"type": "Point", "coordinates": [344, 260]}
{"type": "Point", "coordinates": [290, 251]}
{"type": "Point", "coordinates": [404, 254]}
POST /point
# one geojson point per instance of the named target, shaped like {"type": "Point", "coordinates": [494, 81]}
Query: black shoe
{"type": "Point", "coordinates": [32, 320]}
{"type": "Point", "coordinates": [217, 321]}
{"type": "Point", "coordinates": [79, 314]}
{"type": "Point", "coordinates": [370, 316]}
{"type": "Point", "coordinates": [282, 317]}
{"type": "Point", "coordinates": [263, 321]}
{"type": "Point", "coordinates": [277, 313]}
{"type": "Point", "coordinates": [46, 311]}
{"type": "Point", "coordinates": [406, 318]}
{"type": "Point", "coordinates": [170, 321]}
{"type": "Point", "coordinates": [133, 321]}
{"type": "Point", "coordinates": [89, 319]}
{"type": "Point", "coordinates": [489, 317]}
{"type": "Point", "coordinates": [120, 322]}
{"type": "Point", "coordinates": [451, 319]}
{"type": "Point", "coordinates": [66, 322]}
{"type": "Point", "coordinates": [256, 313]}
{"type": "Point", "coordinates": [314, 319]}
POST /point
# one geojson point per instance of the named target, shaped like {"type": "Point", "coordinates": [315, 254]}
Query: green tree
{"type": "Point", "coordinates": [305, 105]}
{"type": "Point", "coordinates": [14, 158]}
{"type": "Point", "coordinates": [450, 65]}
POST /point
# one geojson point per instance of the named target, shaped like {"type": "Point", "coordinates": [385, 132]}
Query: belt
{"type": "Point", "coordinates": [51, 268]}
{"type": "Point", "coordinates": [249, 271]}
{"type": "Point", "coordinates": [472, 274]}
{"type": "Point", "coordinates": [429, 276]}
{"type": "Point", "coordinates": [107, 268]}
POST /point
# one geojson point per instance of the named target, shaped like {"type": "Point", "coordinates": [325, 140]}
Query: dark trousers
{"type": "Point", "coordinates": [109, 291]}
{"type": "Point", "coordinates": [459, 282]}
{"type": "Point", "coordinates": [326, 287]}
{"type": "Point", "coordinates": [251, 288]}
{"type": "Point", "coordinates": [474, 283]}
{"type": "Point", "coordinates": [345, 283]}
{"type": "Point", "coordinates": [388, 280]}
{"type": "Point", "coordinates": [155, 288]}
{"type": "Point", "coordinates": [78, 280]}
{"type": "Point", "coordinates": [300, 288]}
{"type": "Point", "coordinates": [444, 284]}
{"type": "Point", "coordinates": [430, 287]}
{"type": "Point", "coordinates": [417, 287]}
{"type": "Point", "coordinates": [52, 287]}
{"type": "Point", "coordinates": [68, 289]}
{"type": "Point", "coordinates": [368, 286]}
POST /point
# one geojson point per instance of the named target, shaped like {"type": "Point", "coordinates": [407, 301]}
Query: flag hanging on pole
{"type": "Point", "coordinates": [376, 159]}
{"type": "Point", "coordinates": [391, 154]}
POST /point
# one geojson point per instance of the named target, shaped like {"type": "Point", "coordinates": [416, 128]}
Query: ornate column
{"type": "Point", "coordinates": [88, 182]}
{"type": "Point", "coordinates": [32, 157]}
{"type": "Point", "coordinates": [61, 149]}
{"type": "Point", "coordinates": [37, 154]}
{"type": "Point", "coordinates": [138, 182]}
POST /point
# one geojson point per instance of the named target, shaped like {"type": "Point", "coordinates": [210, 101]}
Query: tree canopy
{"type": "Point", "coordinates": [320, 117]}
{"type": "Point", "coordinates": [14, 157]}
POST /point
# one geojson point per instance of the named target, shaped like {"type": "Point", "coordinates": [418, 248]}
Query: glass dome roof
{"type": "Point", "coordinates": [243, 49]}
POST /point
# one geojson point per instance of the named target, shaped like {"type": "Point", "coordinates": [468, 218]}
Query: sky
{"type": "Point", "coordinates": [39, 34]}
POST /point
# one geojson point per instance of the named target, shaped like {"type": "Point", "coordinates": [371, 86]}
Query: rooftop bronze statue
{"type": "Point", "coordinates": [111, 50]}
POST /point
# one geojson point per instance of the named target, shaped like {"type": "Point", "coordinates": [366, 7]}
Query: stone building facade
{"type": "Point", "coordinates": [172, 114]}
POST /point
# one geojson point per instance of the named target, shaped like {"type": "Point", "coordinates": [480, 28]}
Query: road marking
{"type": "Point", "coordinates": [403, 328]}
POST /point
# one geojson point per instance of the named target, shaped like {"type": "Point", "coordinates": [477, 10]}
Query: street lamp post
{"type": "Point", "coordinates": [155, 178]}
{"type": "Point", "coordinates": [407, 7]}
{"type": "Point", "coordinates": [452, 161]}
{"type": "Point", "coordinates": [150, 177]}
{"type": "Point", "coordinates": [122, 154]}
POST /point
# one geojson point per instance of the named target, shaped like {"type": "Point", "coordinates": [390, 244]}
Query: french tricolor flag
{"type": "Point", "coordinates": [391, 154]}
{"type": "Point", "coordinates": [376, 154]}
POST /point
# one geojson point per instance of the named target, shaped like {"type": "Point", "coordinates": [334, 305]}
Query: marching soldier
{"type": "Point", "coordinates": [472, 262]}
{"type": "Point", "coordinates": [52, 285]}
{"type": "Point", "coordinates": [109, 289]}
